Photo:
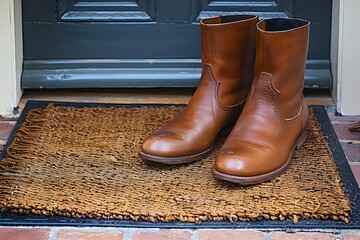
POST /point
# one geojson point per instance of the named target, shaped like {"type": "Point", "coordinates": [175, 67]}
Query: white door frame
{"type": "Point", "coordinates": [345, 55]}
{"type": "Point", "coordinates": [11, 54]}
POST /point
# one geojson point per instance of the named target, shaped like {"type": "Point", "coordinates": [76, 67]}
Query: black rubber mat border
{"type": "Point", "coordinates": [351, 187]}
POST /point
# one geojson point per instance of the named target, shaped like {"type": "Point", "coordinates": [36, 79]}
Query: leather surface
{"type": "Point", "coordinates": [228, 53]}
{"type": "Point", "coordinates": [275, 114]}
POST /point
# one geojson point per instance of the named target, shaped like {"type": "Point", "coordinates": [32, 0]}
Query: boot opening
{"type": "Point", "coordinates": [282, 24]}
{"type": "Point", "coordinates": [234, 18]}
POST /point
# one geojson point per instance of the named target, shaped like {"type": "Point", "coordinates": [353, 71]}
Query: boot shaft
{"type": "Point", "coordinates": [228, 49]}
{"type": "Point", "coordinates": [281, 52]}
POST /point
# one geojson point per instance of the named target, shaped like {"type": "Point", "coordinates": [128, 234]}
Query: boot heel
{"type": "Point", "coordinates": [302, 139]}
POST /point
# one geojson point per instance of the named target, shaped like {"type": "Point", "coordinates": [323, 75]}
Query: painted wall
{"type": "Point", "coordinates": [345, 56]}
{"type": "Point", "coordinates": [10, 54]}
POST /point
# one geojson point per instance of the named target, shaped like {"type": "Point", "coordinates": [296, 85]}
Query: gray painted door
{"type": "Point", "coordinates": [145, 43]}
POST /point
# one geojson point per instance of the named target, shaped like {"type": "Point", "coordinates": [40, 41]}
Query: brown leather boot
{"type": "Point", "coordinates": [228, 55]}
{"type": "Point", "coordinates": [274, 120]}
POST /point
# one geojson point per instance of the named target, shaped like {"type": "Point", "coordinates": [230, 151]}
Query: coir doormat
{"type": "Point", "coordinates": [79, 163]}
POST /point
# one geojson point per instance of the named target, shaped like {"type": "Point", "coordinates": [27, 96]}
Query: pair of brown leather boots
{"type": "Point", "coordinates": [251, 87]}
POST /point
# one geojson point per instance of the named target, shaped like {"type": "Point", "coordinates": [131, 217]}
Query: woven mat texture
{"type": "Point", "coordinates": [83, 162]}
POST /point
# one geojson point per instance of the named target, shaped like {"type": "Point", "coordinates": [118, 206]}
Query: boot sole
{"type": "Point", "coordinates": [176, 160]}
{"type": "Point", "coordinates": [185, 159]}
{"type": "Point", "coordinates": [264, 177]}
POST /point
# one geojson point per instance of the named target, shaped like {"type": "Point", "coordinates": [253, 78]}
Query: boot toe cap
{"type": "Point", "coordinates": [160, 146]}
{"type": "Point", "coordinates": [239, 164]}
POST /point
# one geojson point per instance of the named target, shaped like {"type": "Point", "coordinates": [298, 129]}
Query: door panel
{"type": "Point", "coordinates": [144, 43]}
{"type": "Point", "coordinates": [105, 11]}
{"type": "Point", "coordinates": [265, 9]}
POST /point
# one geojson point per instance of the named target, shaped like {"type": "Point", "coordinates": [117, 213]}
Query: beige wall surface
{"type": "Point", "coordinates": [10, 54]}
{"type": "Point", "coordinates": [345, 56]}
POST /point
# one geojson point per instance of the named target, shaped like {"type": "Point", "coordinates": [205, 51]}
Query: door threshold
{"type": "Point", "coordinates": [141, 96]}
